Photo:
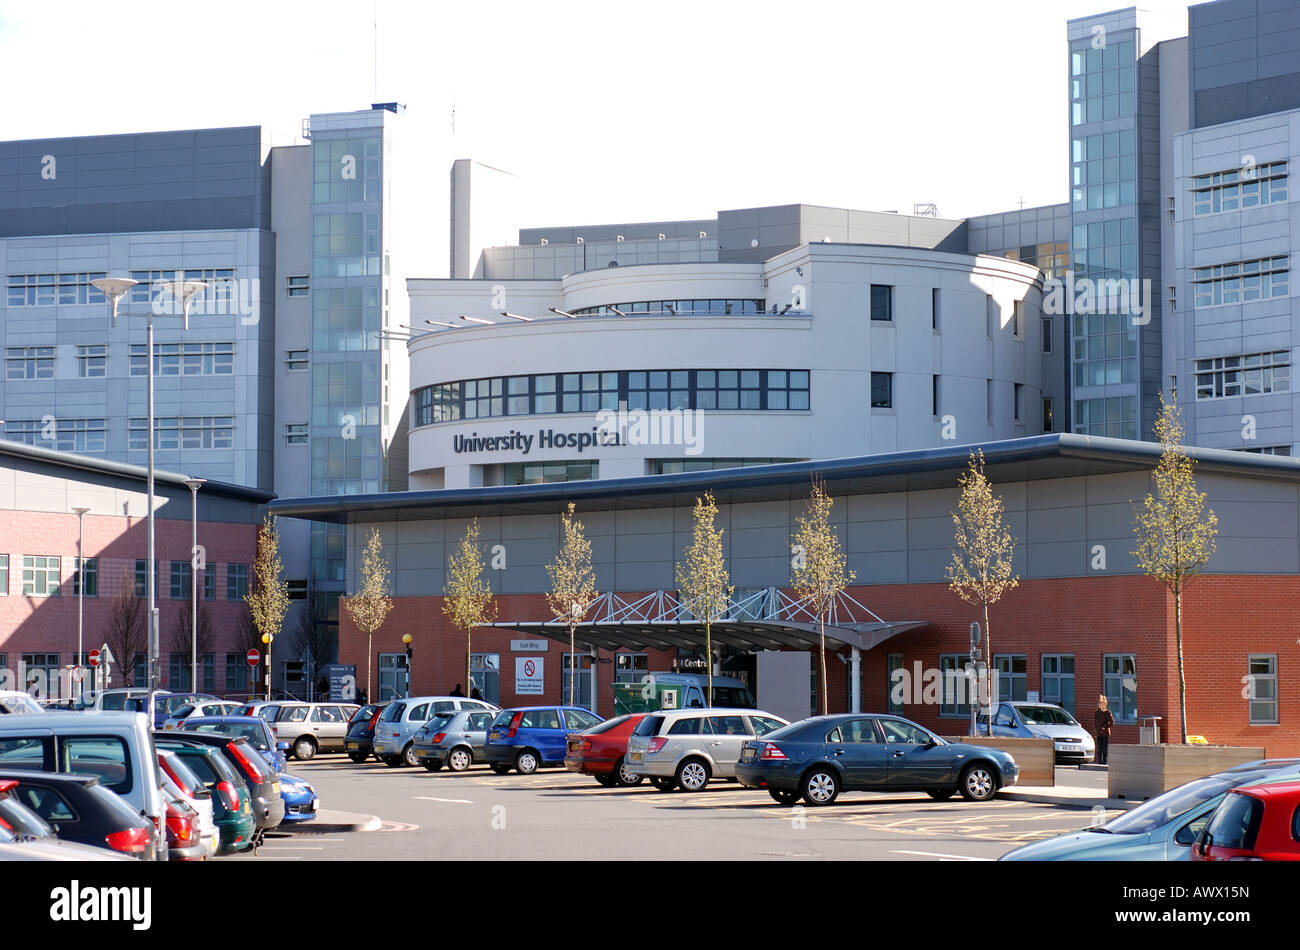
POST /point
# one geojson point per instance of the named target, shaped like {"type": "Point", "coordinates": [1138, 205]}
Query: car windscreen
{"type": "Point", "coordinates": [731, 697]}
{"type": "Point", "coordinates": [184, 775]}
{"type": "Point", "coordinates": [607, 725]}
{"type": "Point", "coordinates": [19, 703]}
{"type": "Point", "coordinates": [365, 712]}
{"type": "Point", "coordinates": [1236, 823]}
{"type": "Point", "coordinates": [649, 726]}
{"type": "Point", "coordinates": [116, 701]}
{"type": "Point", "coordinates": [114, 805]}
{"type": "Point", "coordinates": [251, 731]}
{"type": "Point", "coordinates": [503, 719]}
{"type": "Point", "coordinates": [1045, 716]}
{"type": "Point", "coordinates": [1174, 803]}
{"type": "Point", "coordinates": [437, 722]}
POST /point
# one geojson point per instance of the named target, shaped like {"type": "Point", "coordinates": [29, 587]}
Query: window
{"type": "Point", "coordinates": [630, 667]}
{"type": "Point", "coordinates": [1105, 345]}
{"type": "Point", "coordinates": [537, 473]}
{"type": "Point", "coordinates": [1012, 681]}
{"type": "Point", "coordinates": [295, 433]}
{"type": "Point", "coordinates": [296, 286]}
{"type": "Point", "coordinates": [64, 435]}
{"type": "Point", "coordinates": [485, 676]}
{"type": "Point", "coordinates": [1237, 188]}
{"type": "Point", "coordinates": [696, 464]}
{"type": "Point", "coordinates": [882, 302]}
{"type": "Point", "coordinates": [41, 576]}
{"type": "Point", "coordinates": [1018, 319]}
{"type": "Point", "coordinates": [903, 733]}
{"type": "Point", "coordinates": [1261, 692]}
{"type": "Point", "coordinates": [1241, 282]}
{"type": "Point", "coordinates": [1047, 415]}
{"type": "Point", "coordinates": [209, 582]}
{"type": "Point", "coordinates": [1253, 374]}
{"type": "Point", "coordinates": [184, 359]}
{"type": "Point", "coordinates": [897, 693]}
{"type": "Point", "coordinates": [236, 581]}
{"type": "Point", "coordinates": [1017, 398]}
{"type": "Point", "coordinates": [29, 362]}
{"type": "Point", "coordinates": [934, 308]}
{"type": "Point", "coordinates": [1119, 674]}
{"type": "Point", "coordinates": [180, 580]}
{"type": "Point", "coordinates": [92, 360]}
{"type": "Point", "coordinates": [882, 390]}
{"type": "Point", "coordinates": [184, 432]}
{"type": "Point", "coordinates": [1268, 450]}
{"type": "Point", "coordinates": [1047, 334]}
{"type": "Point", "coordinates": [39, 673]}
{"type": "Point", "coordinates": [236, 673]}
{"type": "Point", "coordinates": [955, 694]}
{"type": "Point", "coordinates": [714, 307]}
{"type": "Point", "coordinates": [296, 361]}
{"type": "Point", "coordinates": [4, 579]}
{"type": "Point", "coordinates": [48, 290]}
{"type": "Point", "coordinates": [92, 576]}
{"type": "Point", "coordinates": [934, 395]}
{"type": "Point", "coordinates": [1114, 417]}
{"type": "Point", "coordinates": [220, 297]}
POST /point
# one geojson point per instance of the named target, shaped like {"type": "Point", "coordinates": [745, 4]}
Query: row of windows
{"type": "Point", "coordinates": [675, 466]}
{"type": "Point", "coordinates": [1119, 681]}
{"type": "Point", "coordinates": [1241, 281]}
{"type": "Point", "coordinates": [170, 359]}
{"type": "Point", "coordinates": [716, 307]}
{"type": "Point", "coordinates": [63, 435]}
{"type": "Point", "coordinates": [722, 389]}
{"type": "Point", "coordinates": [42, 577]}
{"type": "Point", "coordinates": [1237, 188]}
{"type": "Point", "coordinates": [184, 432]}
{"type": "Point", "coordinates": [1114, 417]}
{"type": "Point", "coordinates": [537, 473]}
{"type": "Point", "coordinates": [218, 297]}
{"type": "Point", "coordinates": [1220, 377]}
{"type": "Point", "coordinates": [48, 290]}
{"type": "Point", "coordinates": [882, 397]}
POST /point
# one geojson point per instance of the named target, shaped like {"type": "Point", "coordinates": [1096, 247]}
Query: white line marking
{"type": "Point", "coordinates": [296, 848]}
{"type": "Point", "coordinates": [950, 857]}
{"type": "Point", "coordinates": [450, 801]}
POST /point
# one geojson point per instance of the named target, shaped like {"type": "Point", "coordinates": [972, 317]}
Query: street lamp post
{"type": "Point", "coordinates": [194, 485]}
{"type": "Point", "coordinates": [406, 641]}
{"type": "Point", "coordinates": [267, 640]}
{"type": "Point", "coordinates": [81, 586]}
{"type": "Point", "coordinates": [182, 292]}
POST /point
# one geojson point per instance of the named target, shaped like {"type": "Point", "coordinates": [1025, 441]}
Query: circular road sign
{"type": "Point", "coordinates": [254, 657]}
{"type": "Point", "coordinates": [94, 658]}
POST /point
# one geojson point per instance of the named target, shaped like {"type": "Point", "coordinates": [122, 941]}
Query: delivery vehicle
{"type": "Point", "coordinates": [658, 691]}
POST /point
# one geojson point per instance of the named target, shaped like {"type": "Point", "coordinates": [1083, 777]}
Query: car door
{"type": "Point", "coordinates": [914, 764]}
{"type": "Point", "coordinates": [723, 737]}
{"type": "Point", "coordinates": [856, 744]}
{"type": "Point", "coordinates": [1005, 722]}
{"type": "Point", "coordinates": [475, 732]}
{"type": "Point", "coordinates": [335, 724]}
{"type": "Point", "coordinates": [416, 717]}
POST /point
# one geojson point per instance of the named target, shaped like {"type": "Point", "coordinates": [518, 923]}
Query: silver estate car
{"type": "Point", "coordinates": [402, 718]}
{"type": "Point", "coordinates": [686, 747]}
{"type": "Point", "coordinates": [454, 739]}
{"type": "Point", "coordinates": [312, 727]}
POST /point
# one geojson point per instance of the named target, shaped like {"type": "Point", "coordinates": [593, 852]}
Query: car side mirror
{"type": "Point", "coordinates": [282, 746]}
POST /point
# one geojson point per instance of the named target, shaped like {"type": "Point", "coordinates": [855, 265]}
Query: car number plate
{"type": "Point", "coordinates": [747, 755]}
{"type": "Point", "coordinates": [352, 745]}
{"type": "Point", "coordinates": [635, 756]}
{"type": "Point", "coordinates": [494, 736]}
{"type": "Point", "coordinates": [275, 787]}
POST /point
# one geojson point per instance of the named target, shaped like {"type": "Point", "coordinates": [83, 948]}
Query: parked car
{"type": "Point", "coordinates": [80, 809]}
{"type": "Point", "coordinates": [818, 758]}
{"type": "Point", "coordinates": [210, 707]}
{"type": "Point", "coordinates": [1253, 823]}
{"type": "Point", "coordinates": [195, 793]}
{"type": "Point", "coordinates": [116, 746]}
{"type": "Point", "coordinates": [185, 840]}
{"type": "Point", "coordinates": [164, 703]}
{"type": "Point", "coordinates": [253, 728]}
{"type": "Point", "coordinates": [122, 699]}
{"type": "Point", "coordinates": [16, 848]}
{"type": "Point", "coordinates": [601, 751]}
{"type": "Point", "coordinates": [232, 804]}
{"type": "Point", "coordinates": [312, 727]}
{"type": "Point", "coordinates": [300, 800]}
{"type": "Point", "coordinates": [684, 748]}
{"type": "Point", "coordinates": [260, 781]}
{"type": "Point", "coordinates": [266, 710]}
{"type": "Point", "coordinates": [529, 737]}
{"type": "Point", "coordinates": [397, 724]}
{"type": "Point", "coordinates": [1161, 828]}
{"type": "Point", "coordinates": [1074, 744]}
{"type": "Point", "coordinates": [12, 701]}
{"type": "Point", "coordinates": [17, 817]}
{"type": "Point", "coordinates": [358, 742]}
{"type": "Point", "coordinates": [455, 739]}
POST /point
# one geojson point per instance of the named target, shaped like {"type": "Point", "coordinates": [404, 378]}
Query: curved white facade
{"type": "Point", "coordinates": [984, 347]}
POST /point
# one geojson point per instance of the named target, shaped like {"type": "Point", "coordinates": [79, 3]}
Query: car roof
{"type": "Point", "coordinates": [58, 718]}
{"type": "Point", "coordinates": [1282, 790]}
{"type": "Point", "coordinates": [63, 778]}
{"type": "Point", "coordinates": [237, 720]}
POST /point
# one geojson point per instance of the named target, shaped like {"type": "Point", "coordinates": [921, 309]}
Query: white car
{"type": "Point", "coordinates": [209, 707]}
{"type": "Point", "coordinates": [1072, 742]}
{"type": "Point", "coordinates": [12, 701]}
{"type": "Point", "coordinates": [687, 747]}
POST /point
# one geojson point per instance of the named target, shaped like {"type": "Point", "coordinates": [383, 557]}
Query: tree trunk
{"type": "Point", "coordinates": [988, 664]}
{"type": "Point", "coordinates": [826, 690]}
{"type": "Point", "coordinates": [573, 681]}
{"type": "Point", "coordinates": [1182, 679]}
{"type": "Point", "coordinates": [708, 657]}
{"type": "Point", "coordinates": [370, 652]}
{"type": "Point", "coordinates": [469, 659]}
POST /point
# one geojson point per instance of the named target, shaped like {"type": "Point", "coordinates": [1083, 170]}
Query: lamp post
{"type": "Point", "coordinates": [194, 485]}
{"type": "Point", "coordinates": [182, 292]}
{"type": "Point", "coordinates": [267, 640]}
{"type": "Point", "coordinates": [406, 641]}
{"type": "Point", "coordinates": [81, 585]}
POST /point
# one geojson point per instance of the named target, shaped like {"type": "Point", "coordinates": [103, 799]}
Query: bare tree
{"type": "Point", "coordinates": [127, 637]}
{"type": "Point", "coordinates": [313, 639]}
{"type": "Point", "coordinates": [205, 638]}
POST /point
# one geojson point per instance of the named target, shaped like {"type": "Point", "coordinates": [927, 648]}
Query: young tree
{"type": "Point", "coordinates": [127, 637]}
{"type": "Point", "coordinates": [467, 596]}
{"type": "Point", "coordinates": [980, 570]}
{"type": "Point", "coordinates": [370, 605]}
{"type": "Point", "coordinates": [704, 581]}
{"type": "Point", "coordinates": [1175, 530]}
{"type": "Point", "coordinates": [268, 592]}
{"type": "Point", "coordinates": [819, 573]}
{"type": "Point", "coordinates": [573, 583]}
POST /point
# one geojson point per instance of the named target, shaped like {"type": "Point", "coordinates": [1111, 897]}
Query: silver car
{"type": "Point", "coordinates": [687, 747]}
{"type": "Point", "coordinates": [402, 718]}
{"type": "Point", "coordinates": [1073, 743]}
{"type": "Point", "coordinates": [454, 739]}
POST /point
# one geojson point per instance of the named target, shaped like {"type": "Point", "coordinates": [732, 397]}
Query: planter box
{"type": "Point", "coordinates": [1036, 757]}
{"type": "Point", "coordinates": [1138, 772]}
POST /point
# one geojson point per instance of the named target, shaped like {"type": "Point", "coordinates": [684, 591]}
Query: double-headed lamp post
{"type": "Point", "coordinates": [194, 485]}
{"type": "Point", "coordinates": [81, 587]}
{"type": "Point", "coordinates": [406, 642]}
{"type": "Point", "coordinates": [181, 292]}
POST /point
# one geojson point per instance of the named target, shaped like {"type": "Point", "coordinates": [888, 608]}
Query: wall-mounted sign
{"type": "Point", "coordinates": [528, 675]}
{"type": "Point", "coordinates": [530, 646]}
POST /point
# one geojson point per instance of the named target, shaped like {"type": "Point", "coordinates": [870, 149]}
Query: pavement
{"type": "Point", "coordinates": [331, 821]}
{"type": "Point", "coordinates": [1076, 787]}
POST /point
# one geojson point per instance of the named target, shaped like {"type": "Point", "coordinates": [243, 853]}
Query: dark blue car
{"type": "Point", "coordinates": [529, 737]}
{"type": "Point", "coordinates": [299, 797]}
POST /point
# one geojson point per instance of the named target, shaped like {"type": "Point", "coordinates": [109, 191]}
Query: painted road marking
{"type": "Point", "coordinates": [449, 801]}
{"type": "Point", "coordinates": [943, 857]}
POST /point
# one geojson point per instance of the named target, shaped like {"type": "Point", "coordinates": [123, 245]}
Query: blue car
{"type": "Point", "coordinates": [529, 737]}
{"type": "Point", "coordinates": [299, 797]}
{"type": "Point", "coordinates": [1161, 829]}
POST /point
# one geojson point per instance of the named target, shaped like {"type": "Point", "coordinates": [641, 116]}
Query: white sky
{"type": "Point", "coordinates": [608, 111]}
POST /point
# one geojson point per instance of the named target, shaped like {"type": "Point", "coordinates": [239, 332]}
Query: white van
{"type": "Point", "coordinates": [15, 702]}
{"type": "Point", "coordinates": [116, 746]}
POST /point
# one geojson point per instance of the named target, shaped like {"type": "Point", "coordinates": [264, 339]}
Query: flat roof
{"type": "Point", "coordinates": [1058, 455]}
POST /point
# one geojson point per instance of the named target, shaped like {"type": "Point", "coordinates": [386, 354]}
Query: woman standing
{"type": "Point", "coordinates": [1103, 721]}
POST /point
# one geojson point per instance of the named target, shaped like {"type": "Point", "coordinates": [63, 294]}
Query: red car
{"type": "Point", "coordinates": [1253, 823]}
{"type": "Point", "coordinates": [599, 751]}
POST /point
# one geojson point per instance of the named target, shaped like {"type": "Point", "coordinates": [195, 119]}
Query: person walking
{"type": "Point", "coordinates": [457, 691]}
{"type": "Point", "coordinates": [1103, 721]}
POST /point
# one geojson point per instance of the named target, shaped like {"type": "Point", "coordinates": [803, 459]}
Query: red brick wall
{"type": "Point", "coordinates": [1225, 619]}
{"type": "Point", "coordinates": [49, 624]}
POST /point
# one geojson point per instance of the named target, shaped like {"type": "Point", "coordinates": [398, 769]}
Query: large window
{"type": "Point", "coordinates": [1102, 82]}
{"type": "Point", "coordinates": [4, 578]}
{"type": "Point", "coordinates": [955, 696]}
{"type": "Point", "coordinates": [1261, 689]}
{"type": "Point", "coordinates": [237, 671]}
{"type": "Point", "coordinates": [41, 576]}
{"type": "Point", "coordinates": [184, 359]}
{"type": "Point", "coordinates": [91, 573]}
{"type": "Point", "coordinates": [1058, 680]}
{"type": "Point", "coordinates": [631, 667]}
{"type": "Point", "coordinates": [485, 676]}
{"type": "Point", "coordinates": [184, 432]}
{"type": "Point", "coordinates": [142, 577]}
{"type": "Point", "coordinates": [29, 362]}
{"type": "Point", "coordinates": [236, 581]}
{"type": "Point", "coordinates": [1012, 681]}
{"type": "Point", "coordinates": [711, 389]}
{"type": "Point", "coordinates": [674, 466]}
{"type": "Point", "coordinates": [882, 390]}
{"type": "Point", "coordinates": [345, 244]}
{"type": "Point", "coordinates": [48, 290]}
{"type": "Point", "coordinates": [895, 663]}
{"type": "Point", "coordinates": [1104, 347]}
{"type": "Point", "coordinates": [1105, 249]}
{"type": "Point", "coordinates": [1241, 281]}
{"type": "Point", "coordinates": [1253, 374]}
{"type": "Point", "coordinates": [1114, 417]}
{"type": "Point", "coordinates": [674, 308]}
{"type": "Point", "coordinates": [1242, 187]}
{"type": "Point", "coordinates": [344, 319]}
{"type": "Point", "coordinates": [1119, 675]}
{"type": "Point", "coordinates": [537, 473]}
{"type": "Point", "coordinates": [180, 580]}
{"type": "Point", "coordinates": [92, 360]}
{"type": "Point", "coordinates": [882, 302]}
{"type": "Point", "coordinates": [221, 296]}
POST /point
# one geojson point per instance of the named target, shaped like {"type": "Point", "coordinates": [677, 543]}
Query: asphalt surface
{"type": "Point", "coordinates": [558, 815]}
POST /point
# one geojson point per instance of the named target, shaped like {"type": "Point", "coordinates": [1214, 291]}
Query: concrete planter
{"type": "Point", "coordinates": [1138, 772]}
{"type": "Point", "coordinates": [1036, 757]}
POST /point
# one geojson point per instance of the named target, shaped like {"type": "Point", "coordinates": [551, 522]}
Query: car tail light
{"type": "Point", "coordinates": [772, 751]}
{"type": "Point", "coordinates": [180, 825]}
{"type": "Point", "coordinates": [129, 840]}
{"type": "Point", "coordinates": [582, 745]}
{"type": "Point", "coordinates": [374, 717]}
{"type": "Point", "coordinates": [514, 725]}
{"type": "Point", "coordinates": [229, 795]}
{"type": "Point", "coordinates": [250, 767]}
{"type": "Point", "coordinates": [658, 742]}
{"type": "Point", "coordinates": [438, 738]}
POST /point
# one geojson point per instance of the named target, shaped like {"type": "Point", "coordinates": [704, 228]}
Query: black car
{"type": "Point", "coordinates": [79, 809]}
{"type": "Point", "coordinates": [360, 737]}
{"type": "Point", "coordinates": [259, 778]}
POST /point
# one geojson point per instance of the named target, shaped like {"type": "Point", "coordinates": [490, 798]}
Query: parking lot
{"type": "Point", "coordinates": [555, 814]}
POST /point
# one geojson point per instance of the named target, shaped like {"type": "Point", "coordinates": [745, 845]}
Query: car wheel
{"type": "Point", "coordinates": [431, 766]}
{"type": "Point", "coordinates": [392, 761]}
{"type": "Point", "coordinates": [499, 768]}
{"type": "Point", "coordinates": [304, 748]}
{"type": "Point", "coordinates": [941, 794]}
{"type": "Point", "coordinates": [408, 755]}
{"type": "Point", "coordinates": [693, 775]}
{"type": "Point", "coordinates": [526, 762]}
{"type": "Point", "coordinates": [625, 778]}
{"type": "Point", "coordinates": [358, 757]}
{"type": "Point", "coordinates": [783, 798]}
{"type": "Point", "coordinates": [978, 783]}
{"type": "Point", "coordinates": [820, 787]}
{"type": "Point", "coordinates": [460, 760]}
{"type": "Point", "coordinates": [605, 781]}
{"type": "Point", "coordinates": [663, 784]}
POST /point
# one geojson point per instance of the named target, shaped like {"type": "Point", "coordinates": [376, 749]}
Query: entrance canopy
{"type": "Point", "coordinates": [768, 619]}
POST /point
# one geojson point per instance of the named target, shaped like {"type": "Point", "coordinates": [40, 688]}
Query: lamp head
{"type": "Point", "coordinates": [195, 484]}
{"type": "Point", "coordinates": [266, 638]}
{"type": "Point", "coordinates": [181, 291]}
{"type": "Point", "coordinates": [406, 638]}
{"type": "Point", "coordinates": [114, 288]}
